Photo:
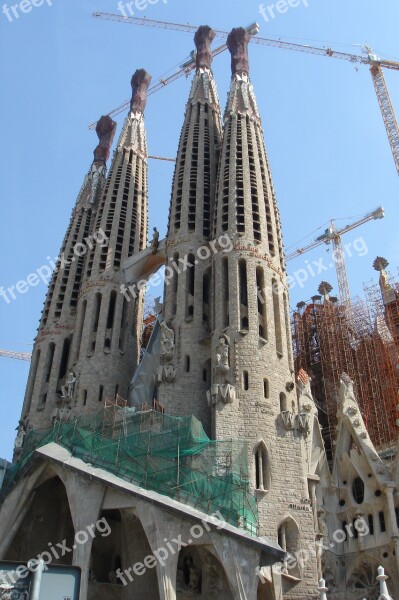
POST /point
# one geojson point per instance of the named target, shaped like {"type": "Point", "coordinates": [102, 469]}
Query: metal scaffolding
{"type": "Point", "coordinates": [331, 338]}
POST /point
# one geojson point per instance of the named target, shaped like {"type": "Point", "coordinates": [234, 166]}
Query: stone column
{"type": "Point", "coordinates": [85, 501]}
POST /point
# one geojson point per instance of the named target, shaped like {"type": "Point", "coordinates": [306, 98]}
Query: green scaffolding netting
{"type": "Point", "coordinates": [170, 455]}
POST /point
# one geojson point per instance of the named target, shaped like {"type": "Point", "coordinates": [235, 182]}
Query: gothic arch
{"type": "Point", "coordinates": [201, 574]}
{"type": "Point", "coordinates": [289, 539]}
{"type": "Point", "coordinates": [48, 521]}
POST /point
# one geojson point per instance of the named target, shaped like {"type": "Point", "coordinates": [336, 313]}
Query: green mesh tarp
{"type": "Point", "coordinates": [170, 455]}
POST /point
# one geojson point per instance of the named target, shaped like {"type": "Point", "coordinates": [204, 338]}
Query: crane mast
{"type": "Point", "coordinates": [334, 236]}
{"type": "Point", "coordinates": [387, 111]}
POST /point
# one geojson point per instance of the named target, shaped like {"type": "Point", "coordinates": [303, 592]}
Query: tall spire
{"type": "Point", "coordinates": [252, 382]}
{"type": "Point", "coordinates": [187, 306]}
{"type": "Point", "coordinates": [105, 349]}
{"type": "Point", "coordinates": [49, 362]}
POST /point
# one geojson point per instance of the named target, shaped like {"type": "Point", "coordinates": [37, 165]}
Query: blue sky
{"type": "Point", "coordinates": [61, 69]}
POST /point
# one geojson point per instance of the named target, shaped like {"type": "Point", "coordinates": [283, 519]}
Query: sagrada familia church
{"type": "Point", "coordinates": [203, 455]}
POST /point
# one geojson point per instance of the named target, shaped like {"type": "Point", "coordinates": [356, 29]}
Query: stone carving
{"type": "Point", "coordinates": [287, 419]}
{"type": "Point", "coordinates": [61, 414]}
{"type": "Point", "coordinates": [222, 359]}
{"type": "Point", "coordinates": [68, 389]}
{"type": "Point", "coordinates": [237, 43]}
{"type": "Point", "coordinates": [167, 371]}
{"type": "Point", "coordinates": [221, 390]}
{"type": "Point", "coordinates": [203, 40]}
{"type": "Point", "coordinates": [19, 440]}
{"type": "Point", "coordinates": [155, 241]}
{"type": "Point", "coordinates": [140, 83]}
{"type": "Point", "coordinates": [167, 342]}
{"type": "Point", "coordinates": [166, 374]}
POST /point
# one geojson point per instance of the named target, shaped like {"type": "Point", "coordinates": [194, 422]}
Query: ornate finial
{"type": "Point", "coordinates": [325, 289]}
{"type": "Point", "coordinates": [140, 84]}
{"type": "Point", "coordinates": [203, 40]}
{"type": "Point", "coordinates": [237, 43]}
{"type": "Point", "coordinates": [380, 263]}
{"type": "Point", "coordinates": [105, 130]}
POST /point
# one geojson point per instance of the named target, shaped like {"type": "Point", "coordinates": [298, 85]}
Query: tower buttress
{"type": "Point", "coordinates": [188, 289]}
{"type": "Point", "coordinates": [54, 338]}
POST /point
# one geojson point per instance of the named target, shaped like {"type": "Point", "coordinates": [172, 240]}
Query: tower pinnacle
{"type": "Point", "coordinates": [140, 83]}
{"type": "Point", "coordinates": [105, 130]}
{"type": "Point", "coordinates": [237, 43]}
{"type": "Point", "coordinates": [203, 40]}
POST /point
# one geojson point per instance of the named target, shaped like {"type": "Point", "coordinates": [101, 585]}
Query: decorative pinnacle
{"type": "Point", "coordinates": [203, 39]}
{"type": "Point", "coordinates": [237, 43]}
{"type": "Point", "coordinates": [140, 84]}
{"type": "Point", "coordinates": [105, 130]}
{"type": "Point", "coordinates": [380, 263]}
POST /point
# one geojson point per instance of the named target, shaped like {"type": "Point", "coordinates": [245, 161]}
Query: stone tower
{"type": "Point", "coordinates": [188, 289]}
{"type": "Point", "coordinates": [106, 346]}
{"type": "Point", "coordinates": [252, 390]}
{"type": "Point", "coordinates": [53, 341]}
{"type": "Point", "coordinates": [88, 340]}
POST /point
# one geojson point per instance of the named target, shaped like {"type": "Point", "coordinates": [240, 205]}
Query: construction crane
{"type": "Point", "coordinates": [333, 236]}
{"type": "Point", "coordinates": [16, 355]}
{"type": "Point", "coordinates": [375, 63]}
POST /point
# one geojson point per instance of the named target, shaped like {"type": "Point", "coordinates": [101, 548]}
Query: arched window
{"type": "Point", "coordinates": [262, 468]}
{"type": "Point", "coordinates": [266, 388]}
{"type": "Point", "coordinates": [289, 540]}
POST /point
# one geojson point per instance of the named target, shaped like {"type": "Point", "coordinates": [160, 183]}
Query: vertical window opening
{"type": "Point", "coordinates": [64, 358]}
{"type": "Point", "coordinates": [243, 283]}
{"type": "Point", "coordinates": [190, 286]}
{"type": "Point", "coordinates": [261, 468]}
{"type": "Point", "coordinates": [262, 316]}
{"type": "Point", "coordinates": [277, 319]}
{"type": "Point", "coordinates": [206, 296]}
{"type": "Point", "coordinates": [266, 391]}
{"type": "Point", "coordinates": [283, 402]}
{"type": "Point", "coordinates": [381, 517]}
{"type": "Point", "coordinates": [225, 291]}
{"type": "Point", "coordinates": [101, 393]}
{"type": "Point", "coordinates": [245, 380]}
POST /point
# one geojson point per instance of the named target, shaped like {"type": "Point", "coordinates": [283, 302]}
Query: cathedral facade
{"type": "Point", "coordinates": [271, 517]}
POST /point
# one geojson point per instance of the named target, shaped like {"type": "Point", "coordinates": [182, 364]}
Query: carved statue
{"type": "Point", "coordinates": [19, 440]}
{"type": "Point", "coordinates": [203, 40]}
{"type": "Point", "coordinates": [105, 130]}
{"type": "Point", "coordinates": [237, 43]}
{"type": "Point", "coordinates": [155, 241]}
{"type": "Point", "coordinates": [167, 341]}
{"type": "Point", "coordinates": [222, 356]}
{"type": "Point", "coordinates": [67, 390]}
{"type": "Point", "coordinates": [140, 83]}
